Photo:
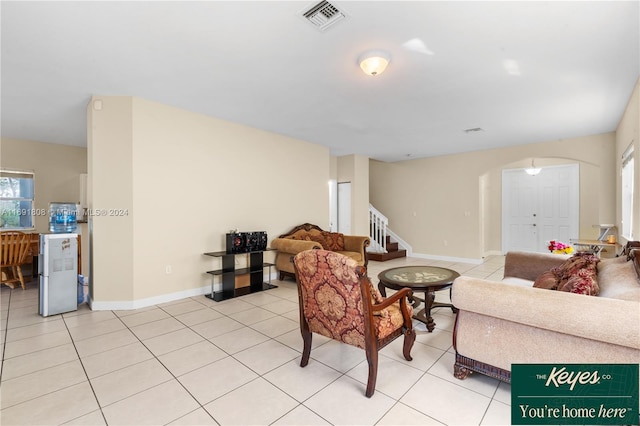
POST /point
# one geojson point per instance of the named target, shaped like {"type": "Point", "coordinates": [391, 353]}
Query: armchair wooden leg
{"type": "Point", "coordinates": [372, 360]}
{"type": "Point", "coordinates": [409, 339]}
{"type": "Point", "coordinates": [307, 336]}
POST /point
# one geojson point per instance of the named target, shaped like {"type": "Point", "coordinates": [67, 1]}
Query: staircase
{"type": "Point", "coordinates": [381, 248]}
{"type": "Point", "coordinates": [392, 252]}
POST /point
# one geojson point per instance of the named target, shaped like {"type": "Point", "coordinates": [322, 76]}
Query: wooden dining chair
{"type": "Point", "coordinates": [338, 301]}
{"type": "Point", "coordinates": [15, 247]}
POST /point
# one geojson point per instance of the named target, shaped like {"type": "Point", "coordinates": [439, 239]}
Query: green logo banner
{"type": "Point", "coordinates": [574, 394]}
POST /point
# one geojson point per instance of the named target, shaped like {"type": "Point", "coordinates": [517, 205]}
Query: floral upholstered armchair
{"type": "Point", "coordinates": [337, 300]}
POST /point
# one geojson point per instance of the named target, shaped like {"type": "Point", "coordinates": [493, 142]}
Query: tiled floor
{"type": "Point", "coordinates": [198, 362]}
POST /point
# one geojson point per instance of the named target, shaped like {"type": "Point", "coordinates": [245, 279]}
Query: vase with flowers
{"type": "Point", "coordinates": [558, 247]}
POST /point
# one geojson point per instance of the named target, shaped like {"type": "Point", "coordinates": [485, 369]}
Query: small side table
{"type": "Point", "coordinates": [427, 279]}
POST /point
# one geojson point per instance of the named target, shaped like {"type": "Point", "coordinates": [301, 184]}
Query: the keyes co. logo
{"type": "Point", "coordinates": [561, 376]}
{"type": "Point", "coordinates": [584, 394]}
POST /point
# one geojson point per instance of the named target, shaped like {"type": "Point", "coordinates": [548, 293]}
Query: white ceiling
{"type": "Point", "coordinates": [572, 69]}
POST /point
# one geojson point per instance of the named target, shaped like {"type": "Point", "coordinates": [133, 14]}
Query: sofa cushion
{"type": "Point", "coordinates": [391, 316]}
{"type": "Point", "coordinates": [352, 254]}
{"type": "Point", "coordinates": [390, 321]}
{"type": "Point", "coordinates": [618, 280]}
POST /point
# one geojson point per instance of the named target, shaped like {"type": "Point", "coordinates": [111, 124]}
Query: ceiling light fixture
{"type": "Point", "coordinates": [533, 170]}
{"type": "Point", "coordinates": [374, 62]}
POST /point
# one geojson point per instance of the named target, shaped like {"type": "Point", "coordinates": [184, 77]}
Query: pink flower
{"type": "Point", "coordinates": [559, 247]}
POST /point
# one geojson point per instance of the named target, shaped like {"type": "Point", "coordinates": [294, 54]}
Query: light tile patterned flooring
{"type": "Point", "coordinates": [199, 362]}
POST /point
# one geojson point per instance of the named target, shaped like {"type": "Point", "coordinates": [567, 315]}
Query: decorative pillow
{"type": "Point", "coordinates": [576, 262]}
{"type": "Point", "coordinates": [334, 241]}
{"type": "Point", "coordinates": [582, 282]}
{"type": "Point", "coordinates": [547, 280]}
{"type": "Point", "coordinates": [634, 254]}
{"type": "Point", "coordinates": [629, 247]}
{"type": "Point", "coordinates": [318, 239]}
{"type": "Point", "coordinates": [299, 235]}
{"type": "Point", "coordinates": [571, 266]}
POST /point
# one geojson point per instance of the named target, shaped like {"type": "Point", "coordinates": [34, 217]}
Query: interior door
{"type": "Point", "coordinates": [333, 205]}
{"type": "Point", "coordinates": [519, 215]}
{"type": "Point", "coordinates": [537, 209]}
{"type": "Point", "coordinates": [344, 207]}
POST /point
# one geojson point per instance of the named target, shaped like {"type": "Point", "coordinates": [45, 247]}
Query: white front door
{"type": "Point", "coordinates": [537, 209]}
{"type": "Point", "coordinates": [519, 211]}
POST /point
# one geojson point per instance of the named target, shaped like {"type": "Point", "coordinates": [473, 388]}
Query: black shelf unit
{"type": "Point", "coordinates": [229, 272]}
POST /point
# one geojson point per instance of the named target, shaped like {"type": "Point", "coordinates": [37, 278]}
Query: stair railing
{"type": "Point", "coordinates": [377, 230]}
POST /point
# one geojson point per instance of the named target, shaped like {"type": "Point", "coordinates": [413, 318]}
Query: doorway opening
{"type": "Point", "coordinates": [540, 208]}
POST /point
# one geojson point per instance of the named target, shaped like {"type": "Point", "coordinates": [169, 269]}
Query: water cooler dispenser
{"type": "Point", "coordinates": [58, 262]}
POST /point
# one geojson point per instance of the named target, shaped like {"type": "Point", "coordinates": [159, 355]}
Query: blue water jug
{"type": "Point", "coordinates": [62, 217]}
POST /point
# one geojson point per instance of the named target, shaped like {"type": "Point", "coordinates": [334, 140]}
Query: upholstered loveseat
{"type": "Point", "coordinates": [506, 322]}
{"type": "Point", "coordinates": [310, 237]}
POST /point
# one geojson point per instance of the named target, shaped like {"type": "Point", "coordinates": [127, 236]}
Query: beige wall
{"type": "Point", "coordinates": [449, 206]}
{"type": "Point", "coordinates": [139, 154]}
{"type": "Point", "coordinates": [596, 193]}
{"type": "Point", "coordinates": [628, 133]}
{"type": "Point", "coordinates": [188, 179]}
{"type": "Point", "coordinates": [57, 171]}
{"type": "Point", "coordinates": [110, 168]}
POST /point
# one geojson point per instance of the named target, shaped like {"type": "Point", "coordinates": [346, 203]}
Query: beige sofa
{"type": "Point", "coordinates": [310, 237]}
{"type": "Point", "coordinates": [500, 323]}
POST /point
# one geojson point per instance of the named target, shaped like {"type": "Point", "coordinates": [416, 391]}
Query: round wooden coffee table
{"type": "Point", "coordinates": [427, 279]}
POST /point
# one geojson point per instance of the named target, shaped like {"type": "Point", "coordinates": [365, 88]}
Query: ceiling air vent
{"type": "Point", "coordinates": [323, 15]}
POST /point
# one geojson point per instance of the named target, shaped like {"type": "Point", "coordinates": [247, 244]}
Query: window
{"type": "Point", "coordinates": [16, 200]}
{"type": "Point", "coordinates": [627, 193]}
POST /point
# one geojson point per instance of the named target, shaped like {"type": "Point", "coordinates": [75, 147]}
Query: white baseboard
{"type": "Point", "coordinates": [448, 258]}
{"type": "Point", "coordinates": [126, 305]}
{"type": "Point", "coordinates": [149, 301]}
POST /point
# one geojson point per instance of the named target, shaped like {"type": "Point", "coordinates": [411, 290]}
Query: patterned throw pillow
{"type": "Point", "coordinates": [583, 282]}
{"type": "Point", "coordinates": [575, 263]}
{"type": "Point", "coordinates": [318, 238]}
{"type": "Point", "coordinates": [547, 280]}
{"type": "Point", "coordinates": [578, 274]}
{"type": "Point", "coordinates": [334, 241]}
{"type": "Point", "coordinates": [298, 235]}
